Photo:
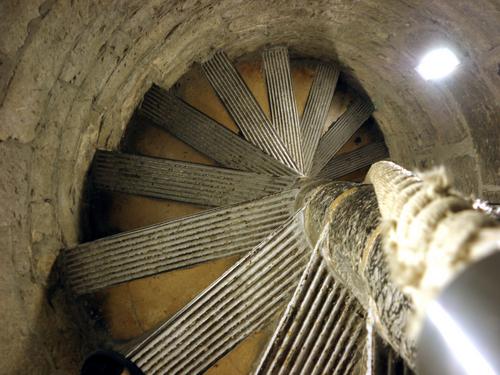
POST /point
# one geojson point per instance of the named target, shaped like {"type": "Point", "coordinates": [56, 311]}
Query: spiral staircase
{"type": "Point", "coordinates": [237, 194]}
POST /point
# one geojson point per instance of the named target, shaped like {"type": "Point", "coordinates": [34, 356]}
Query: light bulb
{"type": "Point", "coordinates": [437, 64]}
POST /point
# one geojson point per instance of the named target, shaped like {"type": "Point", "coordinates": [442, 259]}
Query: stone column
{"type": "Point", "coordinates": [346, 219]}
{"type": "Point", "coordinates": [432, 234]}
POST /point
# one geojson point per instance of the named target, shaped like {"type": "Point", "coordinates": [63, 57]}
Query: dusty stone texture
{"type": "Point", "coordinates": [351, 222]}
{"type": "Point", "coordinates": [40, 335]}
{"type": "Point", "coordinates": [352, 246]}
{"type": "Point", "coordinates": [392, 307]}
{"type": "Point", "coordinates": [71, 74]}
{"type": "Point", "coordinates": [320, 199]}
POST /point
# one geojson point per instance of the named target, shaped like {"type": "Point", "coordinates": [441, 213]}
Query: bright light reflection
{"type": "Point", "coordinates": [464, 351]}
{"type": "Point", "coordinates": [437, 64]}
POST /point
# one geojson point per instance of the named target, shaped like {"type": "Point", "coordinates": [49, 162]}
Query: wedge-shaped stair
{"type": "Point", "coordinates": [316, 110]}
{"type": "Point", "coordinates": [284, 114]}
{"type": "Point", "coordinates": [242, 300]}
{"type": "Point", "coordinates": [340, 132]}
{"type": "Point", "coordinates": [384, 360]}
{"type": "Point", "coordinates": [182, 181]}
{"type": "Point", "coordinates": [340, 165]}
{"type": "Point", "coordinates": [321, 331]}
{"type": "Point", "coordinates": [244, 109]}
{"type": "Point", "coordinates": [175, 244]}
{"type": "Point", "coordinates": [206, 135]}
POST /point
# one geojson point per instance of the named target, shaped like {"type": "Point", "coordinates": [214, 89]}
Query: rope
{"type": "Point", "coordinates": [431, 232]}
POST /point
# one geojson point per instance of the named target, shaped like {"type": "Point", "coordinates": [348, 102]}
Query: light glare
{"type": "Point", "coordinates": [462, 348]}
{"type": "Point", "coordinates": [437, 64]}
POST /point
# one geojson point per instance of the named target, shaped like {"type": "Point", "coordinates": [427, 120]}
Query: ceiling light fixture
{"type": "Point", "coordinates": [437, 64]}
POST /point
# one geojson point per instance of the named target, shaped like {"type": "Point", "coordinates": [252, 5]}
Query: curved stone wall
{"type": "Point", "coordinates": [71, 74]}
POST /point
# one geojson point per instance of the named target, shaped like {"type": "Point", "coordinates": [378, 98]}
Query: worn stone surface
{"type": "Point", "coordinates": [351, 222]}
{"type": "Point", "coordinates": [318, 204]}
{"type": "Point", "coordinates": [71, 74]}
{"type": "Point", "coordinates": [352, 246]}
{"type": "Point", "coordinates": [392, 307]}
{"type": "Point", "coordinates": [42, 338]}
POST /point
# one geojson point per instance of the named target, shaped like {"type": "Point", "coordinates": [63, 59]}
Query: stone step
{"type": "Point", "coordinates": [321, 331]}
{"type": "Point", "coordinates": [284, 114]}
{"type": "Point", "coordinates": [182, 181]}
{"type": "Point", "coordinates": [384, 360]}
{"type": "Point", "coordinates": [339, 133]}
{"type": "Point", "coordinates": [204, 134]}
{"type": "Point", "coordinates": [340, 165]}
{"type": "Point", "coordinates": [241, 301]}
{"type": "Point", "coordinates": [175, 244]}
{"type": "Point", "coordinates": [244, 109]}
{"type": "Point", "coordinates": [316, 110]}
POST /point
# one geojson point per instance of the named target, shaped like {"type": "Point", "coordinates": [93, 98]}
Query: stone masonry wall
{"type": "Point", "coordinates": [71, 73]}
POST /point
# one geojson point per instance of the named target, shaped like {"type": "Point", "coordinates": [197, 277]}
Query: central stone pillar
{"type": "Point", "coordinates": [343, 219]}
